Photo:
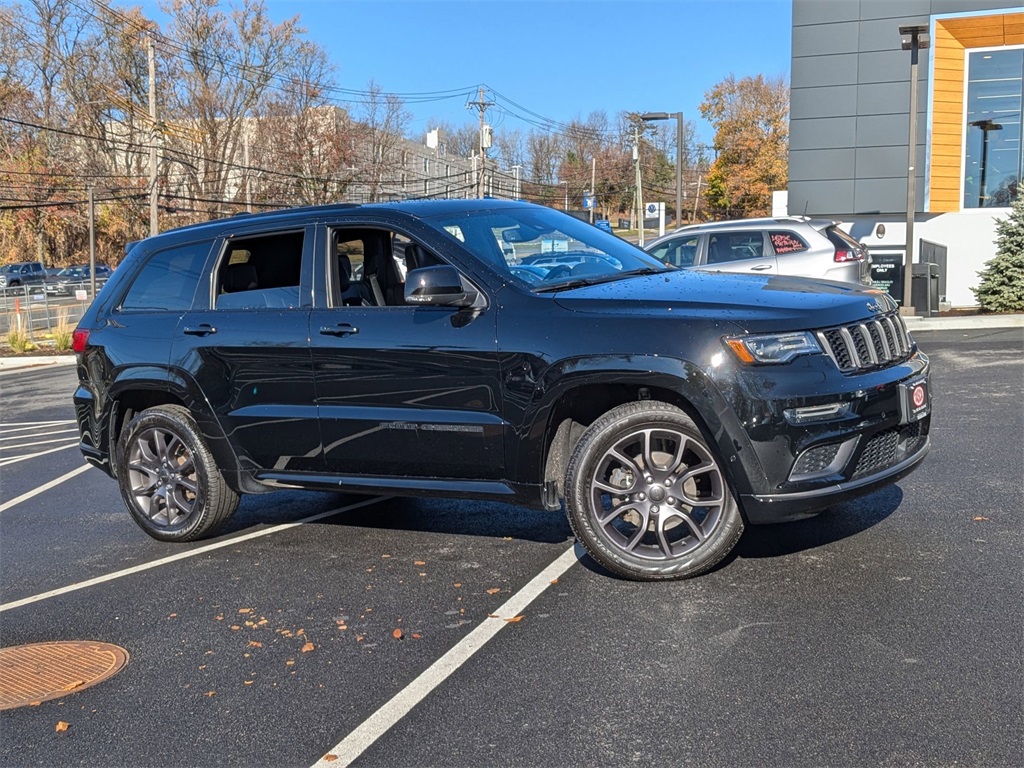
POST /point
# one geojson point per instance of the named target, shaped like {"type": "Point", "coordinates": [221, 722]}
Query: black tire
{"type": "Point", "coordinates": [648, 497]}
{"type": "Point", "coordinates": [169, 479]}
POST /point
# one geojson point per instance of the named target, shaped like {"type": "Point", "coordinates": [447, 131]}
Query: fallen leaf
{"type": "Point", "coordinates": [173, 616]}
{"type": "Point", "coordinates": [245, 610]}
{"type": "Point", "coordinates": [416, 635]}
{"type": "Point", "coordinates": [208, 694]}
{"type": "Point", "coordinates": [494, 591]}
{"type": "Point", "coordinates": [34, 703]}
{"type": "Point", "coordinates": [235, 627]}
{"type": "Point", "coordinates": [261, 622]}
{"type": "Point", "coordinates": [979, 517]}
{"type": "Point", "coordinates": [246, 655]}
{"type": "Point", "coordinates": [458, 584]}
{"type": "Point", "coordinates": [248, 682]}
{"type": "Point", "coordinates": [385, 555]}
{"type": "Point", "coordinates": [61, 726]}
{"type": "Point", "coordinates": [397, 634]}
{"type": "Point", "coordinates": [250, 624]}
{"type": "Point", "coordinates": [554, 581]}
{"type": "Point", "coordinates": [329, 758]}
{"type": "Point", "coordinates": [290, 663]}
{"type": "Point", "coordinates": [359, 638]}
{"type": "Point", "coordinates": [419, 562]}
{"type": "Point", "coordinates": [255, 644]}
{"type": "Point", "coordinates": [423, 574]}
{"type": "Point", "coordinates": [493, 616]}
{"type": "Point", "coordinates": [515, 619]}
{"type": "Point", "coordinates": [72, 685]}
{"type": "Point", "coordinates": [220, 617]}
{"type": "Point", "coordinates": [202, 666]}
{"type": "Point", "coordinates": [301, 632]}
{"type": "Point", "coordinates": [506, 538]}
{"type": "Point", "coordinates": [308, 647]}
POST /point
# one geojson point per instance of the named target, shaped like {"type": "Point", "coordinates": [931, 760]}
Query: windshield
{"type": "Point", "coordinates": [544, 249]}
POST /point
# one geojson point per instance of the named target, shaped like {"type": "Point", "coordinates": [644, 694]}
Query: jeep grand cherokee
{"type": "Point", "coordinates": [397, 348]}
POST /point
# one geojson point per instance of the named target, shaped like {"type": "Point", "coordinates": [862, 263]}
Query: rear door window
{"type": "Point", "coordinates": [786, 242]}
{"type": "Point", "coordinates": [724, 247]}
{"type": "Point", "coordinates": [261, 272]}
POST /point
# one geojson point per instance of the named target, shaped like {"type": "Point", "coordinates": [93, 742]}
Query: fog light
{"type": "Point", "coordinates": [815, 413]}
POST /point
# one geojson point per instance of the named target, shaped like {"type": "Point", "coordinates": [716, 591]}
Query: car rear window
{"type": "Point", "coordinates": [168, 281]}
{"type": "Point", "coordinates": [787, 242]}
{"type": "Point", "coordinates": [840, 239]}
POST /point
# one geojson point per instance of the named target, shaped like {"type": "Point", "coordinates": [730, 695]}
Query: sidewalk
{"type": "Point", "coordinates": [914, 325]}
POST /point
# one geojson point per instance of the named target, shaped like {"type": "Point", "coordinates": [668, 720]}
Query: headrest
{"type": "Point", "coordinates": [414, 258]}
{"type": "Point", "coordinates": [240, 277]}
{"type": "Point", "coordinates": [344, 272]}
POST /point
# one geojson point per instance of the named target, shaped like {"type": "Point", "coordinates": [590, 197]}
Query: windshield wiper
{"type": "Point", "coordinates": [581, 282]}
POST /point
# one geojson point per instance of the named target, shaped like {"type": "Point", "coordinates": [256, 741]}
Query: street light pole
{"type": "Point", "coordinates": [92, 245]}
{"type": "Point", "coordinates": [648, 116]}
{"type": "Point", "coordinates": [913, 38]}
{"type": "Point", "coordinates": [565, 207]}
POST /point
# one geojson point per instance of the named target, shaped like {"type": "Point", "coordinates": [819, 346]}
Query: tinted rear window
{"type": "Point", "coordinates": [840, 239]}
{"type": "Point", "coordinates": [168, 281]}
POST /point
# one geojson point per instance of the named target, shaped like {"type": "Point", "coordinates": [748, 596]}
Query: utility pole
{"type": "Point", "coordinates": [593, 187]}
{"type": "Point", "coordinates": [154, 225]}
{"type": "Point", "coordinates": [245, 159]}
{"type": "Point", "coordinates": [481, 104]}
{"type": "Point", "coordinates": [639, 183]}
{"type": "Point", "coordinates": [92, 245]}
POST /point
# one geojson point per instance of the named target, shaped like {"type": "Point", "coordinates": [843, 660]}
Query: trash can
{"type": "Point", "coordinates": [924, 289]}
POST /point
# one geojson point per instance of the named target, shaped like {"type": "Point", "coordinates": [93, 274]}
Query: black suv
{"type": "Point", "coordinates": [400, 348]}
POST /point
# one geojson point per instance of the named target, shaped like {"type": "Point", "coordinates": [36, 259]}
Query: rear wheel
{"type": "Point", "coordinates": [647, 497]}
{"type": "Point", "coordinates": [169, 479]}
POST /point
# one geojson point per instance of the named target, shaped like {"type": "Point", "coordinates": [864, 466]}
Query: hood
{"type": "Point", "coordinates": [752, 302]}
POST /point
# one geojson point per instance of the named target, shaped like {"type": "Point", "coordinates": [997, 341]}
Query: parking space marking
{"type": "Point", "coordinates": [21, 426]}
{"type": "Point", "coordinates": [27, 456]}
{"type": "Point", "coordinates": [185, 555]}
{"type": "Point", "coordinates": [19, 446]}
{"type": "Point", "coordinates": [44, 487]}
{"type": "Point", "coordinates": [381, 721]}
{"type": "Point", "coordinates": [22, 436]}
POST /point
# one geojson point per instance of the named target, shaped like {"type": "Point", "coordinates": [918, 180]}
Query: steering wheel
{"type": "Point", "coordinates": [558, 272]}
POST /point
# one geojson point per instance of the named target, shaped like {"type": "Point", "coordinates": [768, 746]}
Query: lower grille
{"type": "Point", "coordinates": [815, 459]}
{"type": "Point", "coordinates": [888, 448]}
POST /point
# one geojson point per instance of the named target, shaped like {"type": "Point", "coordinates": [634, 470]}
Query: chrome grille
{"type": "Point", "coordinates": [871, 344]}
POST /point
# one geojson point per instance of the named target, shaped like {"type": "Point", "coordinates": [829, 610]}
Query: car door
{"type": "Point", "coordinates": [403, 391]}
{"type": "Point", "coordinates": [680, 251]}
{"type": "Point", "coordinates": [246, 345]}
{"type": "Point", "coordinates": [739, 251]}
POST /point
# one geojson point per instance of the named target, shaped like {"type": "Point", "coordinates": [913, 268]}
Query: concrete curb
{"type": "Point", "coordinates": [15, 363]}
{"type": "Point", "coordinates": [963, 323]}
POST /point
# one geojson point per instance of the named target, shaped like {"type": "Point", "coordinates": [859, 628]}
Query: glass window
{"type": "Point", "coordinates": [993, 163]}
{"type": "Point", "coordinates": [261, 272]}
{"type": "Point", "coordinates": [679, 252]}
{"type": "Point", "coordinates": [734, 246]}
{"type": "Point", "coordinates": [786, 242]}
{"type": "Point", "coordinates": [168, 281]}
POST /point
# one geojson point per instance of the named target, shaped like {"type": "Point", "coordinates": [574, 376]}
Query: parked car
{"type": "Point", "coordinates": [788, 245]}
{"type": "Point", "coordinates": [665, 408]}
{"type": "Point", "coordinates": [22, 273]}
{"type": "Point", "coordinates": [64, 282]}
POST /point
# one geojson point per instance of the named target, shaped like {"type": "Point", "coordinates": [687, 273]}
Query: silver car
{"type": "Point", "coordinates": [786, 245]}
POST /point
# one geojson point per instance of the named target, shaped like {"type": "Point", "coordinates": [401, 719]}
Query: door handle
{"type": "Point", "coordinates": [203, 329]}
{"type": "Point", "coordinates": [760, 267]}
{"type": "Point", "coordinates": [341, 329]}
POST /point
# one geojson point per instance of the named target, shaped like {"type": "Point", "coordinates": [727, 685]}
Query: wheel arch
{"type": "Point", "coordinates": [577, 398]}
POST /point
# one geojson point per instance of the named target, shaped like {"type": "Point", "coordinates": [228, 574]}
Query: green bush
{"type": "Point", "coordinates": [1002, 281]}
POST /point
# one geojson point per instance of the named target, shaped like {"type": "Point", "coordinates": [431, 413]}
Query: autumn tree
{"type": "Point", "coordinates": [750, 116]}
{"type": "Point", "coordinates": [383, 120]}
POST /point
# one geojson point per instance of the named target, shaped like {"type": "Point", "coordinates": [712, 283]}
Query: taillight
{"type": "Point", "coordinates": [79, 339]}
{"type": "Point", "coordinates": [847, 255]}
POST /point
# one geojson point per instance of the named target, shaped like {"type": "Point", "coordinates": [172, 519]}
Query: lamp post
{"type": "Point", "coordinates": [648, 116]}
{"type": "Point", "coordinates": [566, 206]}
{"type": "Point", "coordinates": [986, 126]}
{"type": "Point", "coordinates": [913, 38]}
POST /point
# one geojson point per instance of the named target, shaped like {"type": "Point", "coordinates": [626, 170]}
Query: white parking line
{"type": "Point", "coordinates": [21, 426]}
{"type": "Point", "coordinates": [23, 436]}
{"type": "Point", "coordinates": [184, 555]}
{"type": "Point", "coordinates": [15, 459]}
{"type": "Point", "coordinates": [19, 446]}
{"type": "Point", "coordinates": [45, 487]}
{"type": "Point", "coordinates": [371, 729]}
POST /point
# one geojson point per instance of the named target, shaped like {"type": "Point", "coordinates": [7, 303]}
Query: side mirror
{"type": "Point", "coordinates": [439, 285]}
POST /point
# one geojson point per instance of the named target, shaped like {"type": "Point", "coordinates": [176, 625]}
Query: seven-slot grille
{"type": "Point", "coordinates": [870, 344]}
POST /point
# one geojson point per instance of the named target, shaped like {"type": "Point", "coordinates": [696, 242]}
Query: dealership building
{"type": "Point", "coordinates": [849, 127]}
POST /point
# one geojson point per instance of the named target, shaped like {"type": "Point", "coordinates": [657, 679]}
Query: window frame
{"type": "Point", "coordinates": [148, 258]}
{"type": "Point", "coordinates": [963, 125]}
{"type": "Point", "coordinates": [305, 267]}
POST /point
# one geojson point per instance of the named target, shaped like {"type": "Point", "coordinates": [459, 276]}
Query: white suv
{"type": "Point", "coordinates": [787, 245]}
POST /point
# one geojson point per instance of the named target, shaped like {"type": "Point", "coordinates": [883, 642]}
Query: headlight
{"type": "Point", "coordinates": [772, 348]}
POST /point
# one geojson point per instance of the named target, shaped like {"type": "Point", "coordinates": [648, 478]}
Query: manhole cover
{"type": "Point", "coordinates": [44, 671]}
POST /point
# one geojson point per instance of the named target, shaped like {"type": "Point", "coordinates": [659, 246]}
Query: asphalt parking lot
{"type": "Point", "coordinates": [322, 627]}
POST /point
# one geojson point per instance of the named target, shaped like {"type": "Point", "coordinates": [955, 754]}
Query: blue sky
{"type": "Point", "coordinates": [556, 58]}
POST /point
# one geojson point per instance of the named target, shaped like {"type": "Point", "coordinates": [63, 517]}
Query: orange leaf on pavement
{"type": "Point", "coordinates": [308, 647]}
{"type": "Point", "coordinates": [329, 758]}
{"type": "Point", "coordinates": [515, 619]}
{"type": "Point", "coordinates": [397, 634]}
{"type": "Point", "coordinates": [61, 726]}
{"type": "Point", "coordinates": [494, 590]}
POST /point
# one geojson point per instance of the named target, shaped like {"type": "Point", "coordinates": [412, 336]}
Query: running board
{"type": "Point", "coordinates": [396, 486]}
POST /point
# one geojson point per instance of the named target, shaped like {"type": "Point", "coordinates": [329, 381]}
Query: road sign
{"type": "Point", "coordinates": [589, 201]}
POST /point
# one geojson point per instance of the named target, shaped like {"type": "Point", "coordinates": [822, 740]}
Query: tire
{"type": "Point", "coordinates": [648, 497]}
{"type": "Point", "coordinates": [163, 457]}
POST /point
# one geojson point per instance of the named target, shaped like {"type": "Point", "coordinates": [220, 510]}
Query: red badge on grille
{"type": "Point", "coordinates": [918, 396]}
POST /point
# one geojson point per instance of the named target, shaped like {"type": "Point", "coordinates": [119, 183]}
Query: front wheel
{"type": "Point", "coordinates": [169, 479]}
{"type": "Point", "coordinates": [647, 497]}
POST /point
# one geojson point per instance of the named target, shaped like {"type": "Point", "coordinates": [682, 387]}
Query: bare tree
{"type": "Point", "coordinates": [383, 121]}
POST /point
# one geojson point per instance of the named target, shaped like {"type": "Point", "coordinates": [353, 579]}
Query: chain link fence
{"type": "Point", "coordinates": [37, 312]}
